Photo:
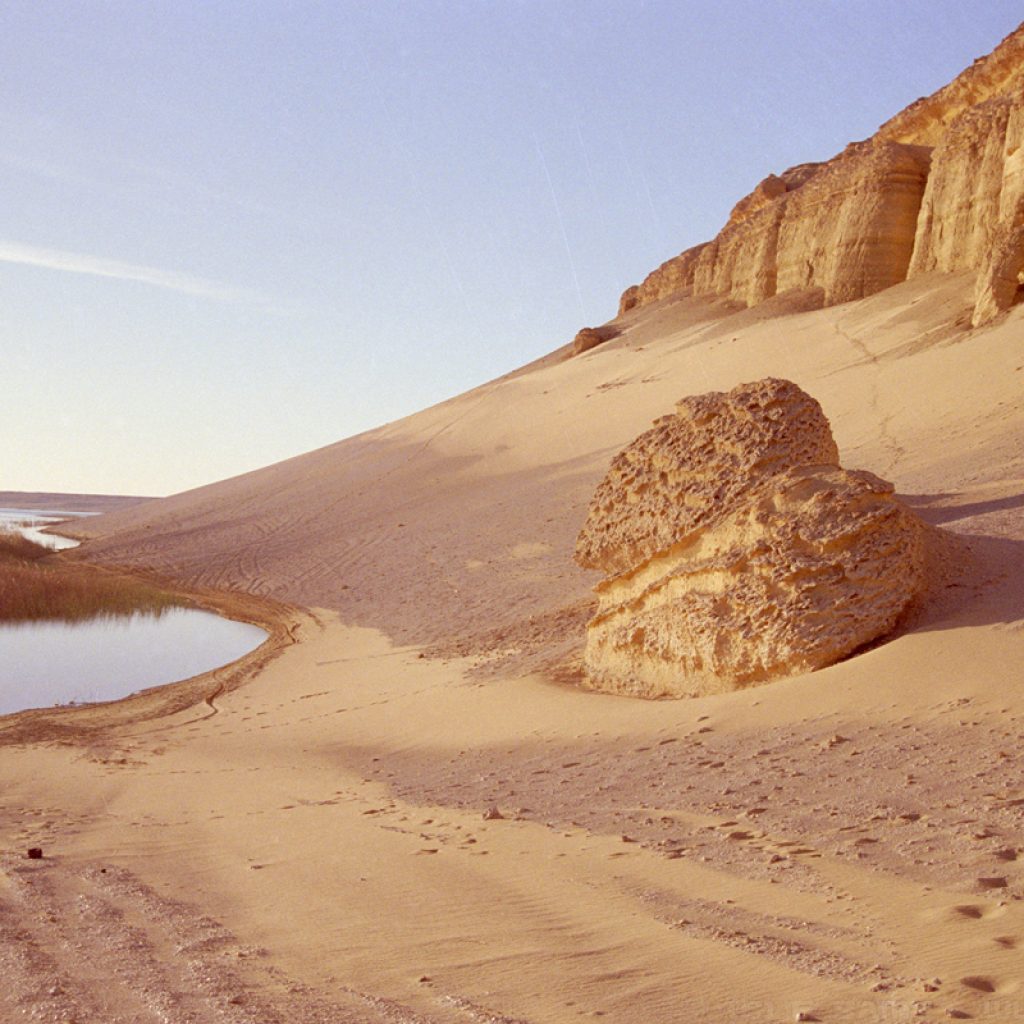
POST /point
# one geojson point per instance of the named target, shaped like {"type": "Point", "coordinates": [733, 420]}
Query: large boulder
{"type": "Point", "coordinates": [590, 337]}
{"type": "Point", "coordinates": [738, 551]}
{"type": "Point", "coordinates": [696, 463]}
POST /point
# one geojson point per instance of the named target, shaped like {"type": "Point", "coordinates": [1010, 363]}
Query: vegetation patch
{"type": "Point", "coordinates": [36, 584]}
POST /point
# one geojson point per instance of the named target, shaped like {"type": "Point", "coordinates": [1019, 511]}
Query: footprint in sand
{"type": "Point", "coordinates": [972, 912]}
{"type": "Point", "coordinates": [979, 983]}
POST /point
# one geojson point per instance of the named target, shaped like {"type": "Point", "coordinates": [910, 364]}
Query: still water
{"type": "Point", "coordinates": [47, 663]}
{"type": "Point", "coordinates": [30, 522]}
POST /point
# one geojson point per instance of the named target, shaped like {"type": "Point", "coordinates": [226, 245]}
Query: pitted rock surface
{"type": "Point", "coordinates": [739, 551]}
{"type": "Point", "coordinates": [696, 463]}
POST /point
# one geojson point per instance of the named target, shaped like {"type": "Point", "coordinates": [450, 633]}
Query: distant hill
{"type": "Point", "coordinates": [47, 501]}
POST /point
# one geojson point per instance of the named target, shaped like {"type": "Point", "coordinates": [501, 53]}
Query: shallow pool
{"type": "Point", "coordinates": [51, 662]}
{"type": "Point", "coordinates": [30, 523]}
{"type": "Point", "coordinates": [46, 663]}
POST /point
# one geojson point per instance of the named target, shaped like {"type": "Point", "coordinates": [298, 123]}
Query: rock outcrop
{"type": "Point", "coordinates": [628, 299]}
{"type": "Point", "coordinates": [1000, 282]}
{"type": "Point", "coordinates": [771, 188]}
{"type": "Point", "coordinates": [973, 205]}
{"type": "Point", "coordinates": [847, 228]}
{"type": "Point", "coordinates": [691, 464]}
{"type": "Point", "coordinates": [972, 186]}
{"type": "Point", "coordinates": [590, 337]}
{"type": "Point", "coordinates": [674, 275]}
{"type": "Point", "coordinates": [939, 187]}
{"type": "Point", "coordinates": [738, 550]}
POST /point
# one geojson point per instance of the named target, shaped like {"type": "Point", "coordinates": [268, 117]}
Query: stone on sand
{"type": "Point", "coordinates": [738, 551]}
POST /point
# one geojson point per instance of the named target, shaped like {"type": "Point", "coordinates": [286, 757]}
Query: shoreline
{"type": "Point", "coordinates": [70, 502]}
{"type": "Point", "coordinates": [330, 822]}
{"type": "Point", "coordinates": [82, 723]}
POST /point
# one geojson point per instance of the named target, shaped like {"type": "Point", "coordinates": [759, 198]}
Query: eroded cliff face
{"type": "Point", "coordinates": [738, 550]}
{"type": "Point", "coordinates": [847, 228]}
{"type": "Point", "coordinates": [674, 275]}
{"type": "Point", "coordinates": [973, 207]}
{"type": "Point", "coordinates": [939, 187]}
{"type": "Point", "coordinates": [964, 199]}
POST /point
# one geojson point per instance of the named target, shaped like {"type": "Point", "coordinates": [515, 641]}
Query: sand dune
{"type": "Point", "coordinates": [476, 503]}
{"type": "Point", "coordinates": [319, 843]}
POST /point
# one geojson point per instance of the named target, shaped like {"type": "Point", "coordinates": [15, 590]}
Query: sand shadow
{"type": "Point", "coordinates": [984, 582]}
{"type": "Point", "coordinates": [927, 507]}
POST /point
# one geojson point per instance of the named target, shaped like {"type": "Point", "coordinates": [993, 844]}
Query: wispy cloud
{"type": "Point", "coordinates": [99, 266]}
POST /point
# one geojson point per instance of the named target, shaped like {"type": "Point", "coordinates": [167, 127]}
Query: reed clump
{"type": "Point", "coordinates": [37, 585]}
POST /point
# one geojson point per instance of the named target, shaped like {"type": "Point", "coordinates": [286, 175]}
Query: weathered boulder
{"type": "Point", "coordinates": [590, 337]}
{"type": "Point", "coordinates": [738, 551]}
{"type": "Point", "coordinates": [696, 462]}
{"type": "Point", "coordinates": [586, 339]}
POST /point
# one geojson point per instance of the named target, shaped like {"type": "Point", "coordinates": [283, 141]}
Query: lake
{"type": "Point", "coordinates": [30, 522]}
{"type": "Point", "coordinates": [50, 662]}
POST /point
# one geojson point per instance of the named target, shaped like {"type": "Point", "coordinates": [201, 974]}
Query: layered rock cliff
{"type": "Point", "coordinates": [939, 187]}
{"type": "Point", "coordinates": [738, 551]}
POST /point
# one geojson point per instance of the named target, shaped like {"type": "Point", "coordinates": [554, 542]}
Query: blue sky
{"type": "Point", "coordinates": [233, 232]}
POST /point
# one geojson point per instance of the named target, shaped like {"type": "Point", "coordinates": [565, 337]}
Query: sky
{"type": "Point", "coordinates": [234, 232]}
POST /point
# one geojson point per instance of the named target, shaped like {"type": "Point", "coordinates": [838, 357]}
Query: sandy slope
{"type": "Point", "coordinates": [830, 844]}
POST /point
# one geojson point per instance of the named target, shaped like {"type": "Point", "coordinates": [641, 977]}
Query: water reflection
{"type": "Point", "coordinates": [30, 522]}
{"type": "Point", "coordinates": [49, 662]}
{"type": "Point", "coordinates": [46, 663]}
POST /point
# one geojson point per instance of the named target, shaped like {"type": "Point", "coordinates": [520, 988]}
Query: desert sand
{"type": "Point", "coordinates": [408, 806]}
{"type": "Point", "coordinates": [316, 839]}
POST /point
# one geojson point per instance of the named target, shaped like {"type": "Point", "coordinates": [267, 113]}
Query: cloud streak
{"type": "Point", "coordinates": [98, 266]}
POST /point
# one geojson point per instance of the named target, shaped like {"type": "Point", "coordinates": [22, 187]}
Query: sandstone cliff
{"type": "Point", "coordinates": [939, 187]}
{"type": "Point", "coordinates": [738, 551]}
